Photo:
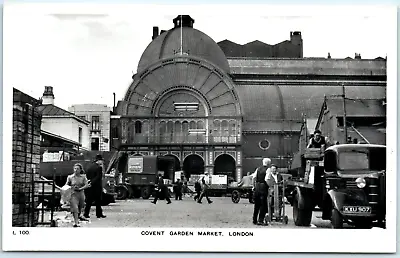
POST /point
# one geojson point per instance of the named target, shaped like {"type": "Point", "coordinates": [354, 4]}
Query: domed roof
{"type": "Point", "coordinates": [194, 43]}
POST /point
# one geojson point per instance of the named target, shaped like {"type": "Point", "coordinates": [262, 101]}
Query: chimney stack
{"type": "Point", "coordinates": [155, 33]}
{"type": "Point", "coordinates": [48, 96]}
{"type": "Point", "coordinates": [357, 56]}
{"type": "Point", "coordinates": [329, 55]}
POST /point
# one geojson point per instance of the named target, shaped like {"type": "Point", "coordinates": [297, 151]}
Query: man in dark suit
{"type": "Point", "coordinates": [261, 193]}
{"type": "Point", "coordinates": [178, 189]}
{"type": "Point", "coordinates": [162, 190]}
{"type": "Point", "coordinates": [93, 194]}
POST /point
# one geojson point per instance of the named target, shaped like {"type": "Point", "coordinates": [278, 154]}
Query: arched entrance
{"type": "Point", "coordinates": [225, 165]}
{"type": "Point", "coordinates": [193, 164]}
{"type": "Point", "coordinates": [177, 162]}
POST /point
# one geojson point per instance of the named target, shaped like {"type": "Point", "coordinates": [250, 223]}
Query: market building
{"type": "Point", "coordinates": [222, 107]}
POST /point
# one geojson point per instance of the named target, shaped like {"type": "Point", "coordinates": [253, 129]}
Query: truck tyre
{"type": "Point", "coordinates": [301, 217]}
{"type": "Point", "coordinates": [336, 219]}
{"type": "Point", "coordinates": [235, 196]}
{"type": "Point", "coordinates": [145, 192]}
{"type": "Point", "coordinates": [122, 192]}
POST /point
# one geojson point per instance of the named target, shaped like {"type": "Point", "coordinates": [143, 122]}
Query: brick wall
{"type": "Point", "coordinates": [25, 159]}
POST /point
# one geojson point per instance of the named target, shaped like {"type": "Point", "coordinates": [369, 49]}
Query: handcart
{"type": "Point", "coordinates": [241, 191]}
{"type": "Point", "coordinates": [276, 203]}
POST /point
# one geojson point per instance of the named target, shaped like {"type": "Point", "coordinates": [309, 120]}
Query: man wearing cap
{"type": "Point", "coordinates": [261, 193]}
{"type": "Point", "coordinates": [317, 141]}
{"type": "Point", "coordinates": [93, 194]}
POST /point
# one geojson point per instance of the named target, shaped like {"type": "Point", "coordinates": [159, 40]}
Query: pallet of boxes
{"type": "Point", "coordinates": [25, 160]}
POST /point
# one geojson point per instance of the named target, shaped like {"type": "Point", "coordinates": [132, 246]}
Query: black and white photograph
{"type": "Point", "coordinates": [217, 128]}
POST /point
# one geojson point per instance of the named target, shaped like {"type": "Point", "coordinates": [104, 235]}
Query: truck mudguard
{"type": "Point", "coordinates": [345, 197]}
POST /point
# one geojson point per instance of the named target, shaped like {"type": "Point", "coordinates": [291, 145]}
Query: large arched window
{"type": "Point", "coordinates": [138, 127]}
{"type": "Point", "coordinates": [163, 130]}
{"type": "Point", "coordinates": [177, 131]}
{"type": "Point", "coordinates": [232, 131]}
{"type": "Point", "coordinates": [225, 128]}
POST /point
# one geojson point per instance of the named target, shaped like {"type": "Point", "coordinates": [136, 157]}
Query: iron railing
{"type": "Point", "coordinates": [183, 139]}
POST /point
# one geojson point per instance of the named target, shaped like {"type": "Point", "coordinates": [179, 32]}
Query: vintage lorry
{"type": "Point", "coordinates": [136, 176]}
{"type": "Point", "coordinates": [346, 182]}
{"type": "Point", "coordinates": [59, 171]}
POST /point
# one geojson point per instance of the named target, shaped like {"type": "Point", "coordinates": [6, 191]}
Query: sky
{"type": "Point", "coordinates": [87, 52]}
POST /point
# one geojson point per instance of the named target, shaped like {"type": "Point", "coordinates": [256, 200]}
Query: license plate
{"type": "Point", "coordinates": [357, 209]}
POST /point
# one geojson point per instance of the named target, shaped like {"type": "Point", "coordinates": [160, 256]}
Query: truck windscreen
{"type": "Point", "coordinates": [372, 159]}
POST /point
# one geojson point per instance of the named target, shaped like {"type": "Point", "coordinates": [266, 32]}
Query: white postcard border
{"type": "Point", "coordinates": [264, 239]}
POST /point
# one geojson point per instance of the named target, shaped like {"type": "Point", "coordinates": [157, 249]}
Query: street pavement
{"type": "Point", "coordinates": [222, 213]}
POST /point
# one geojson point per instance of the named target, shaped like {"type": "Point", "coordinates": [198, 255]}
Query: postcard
{"type": "Point", "coordinates": [199, 128]}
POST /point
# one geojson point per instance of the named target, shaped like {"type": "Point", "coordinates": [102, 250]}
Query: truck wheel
{"type": "Point", "coordinates": [235, 196]}
{"type": "Point", "coordinates": [336, 219]}
{"type": "Point", "coordinates": [145, 192]}
{"type": "Point", "coordinates": [122, 192]}
{"type": "Point", "coordinates": [301, 217]}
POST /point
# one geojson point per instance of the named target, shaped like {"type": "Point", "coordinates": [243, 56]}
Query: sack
{"type": "Point", "coordinates": [66, 192]}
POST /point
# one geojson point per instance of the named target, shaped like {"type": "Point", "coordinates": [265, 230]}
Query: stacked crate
{"type": "Point", "coordinates": [25, 159]}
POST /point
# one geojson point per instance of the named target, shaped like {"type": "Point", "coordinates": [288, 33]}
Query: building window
{"type": "Point", "coordinates": [95, 123]}
{"type": "Point", "coordinates": [264, 144]}
{"type": "Point", "coordinates": [95, 145]}
{"type": "Point", "coordinates": [115, 132]}
{"type": "Point", "coordinates": [138, 127]}
{"type": "Point", "coordinates": [80, 135]}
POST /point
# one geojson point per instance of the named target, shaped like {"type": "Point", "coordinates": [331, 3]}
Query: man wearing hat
{"type": "Point", "coordinates": [205, 182]}
{"type": "Point", "coordinates": [93, 194]}
{"type": "Point", "coordinates": [261, 193]}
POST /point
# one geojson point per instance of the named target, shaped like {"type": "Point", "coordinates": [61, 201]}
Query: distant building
{"type": "Point", "coordinates": [292, 48]}
{"type": "Point", "coordinates": [99, 116]}
{"type": "Point", "coordinates": [70, 129]}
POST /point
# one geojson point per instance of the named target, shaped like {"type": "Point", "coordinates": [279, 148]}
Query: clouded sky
{"type": "Point", "coordinates": [87, 52]}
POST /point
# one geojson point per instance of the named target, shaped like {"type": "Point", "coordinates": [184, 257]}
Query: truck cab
{"type": "Point", "coordinates": [347, 182]}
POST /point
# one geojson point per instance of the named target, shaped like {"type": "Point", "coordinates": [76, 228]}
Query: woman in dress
{"type": "Point", "coordinates": [78, 183]}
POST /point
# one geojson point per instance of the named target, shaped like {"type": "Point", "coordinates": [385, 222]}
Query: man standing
{"type": "Point", "coordinates": [162, 190]}
{"type": "Point", "coordinates": [93, 194]}
{"type": "Point", "coordinates": [205, 182]}
{"type": "Point", "coordinates": [178, 189]}
{"type": "Point", "coordinates": [261, 193]}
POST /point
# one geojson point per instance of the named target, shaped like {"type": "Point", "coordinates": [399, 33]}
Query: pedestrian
{"type": "Point", "coordinates": [178, 189]}
{"type": "Point", "coordinates": [317, 141]}
{"type": "Point", "coordinates": [162, 190]}
{"type": "Point", "coordinates": [205, 185]}
{"type": "Point", "coordinates": [197, 188]}
{"type": "Point", "coordinates": [261, 193]}
{"type": "Point", "coordinates": [94, 193]}
{"type": "Point", "coordinates": [78, 183]}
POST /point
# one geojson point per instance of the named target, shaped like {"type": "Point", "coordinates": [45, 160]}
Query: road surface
{"type": "Point", "coordinates": [222, 213]}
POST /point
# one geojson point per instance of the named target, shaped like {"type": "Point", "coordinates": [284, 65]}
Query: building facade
{"type": "Point", "coordinates": [99, 116]}
{"type": "Point", "coordinates": [217, 112]}
{"type": "Point", "coordinates": [59, 122]}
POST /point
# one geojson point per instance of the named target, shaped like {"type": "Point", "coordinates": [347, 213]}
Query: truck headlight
{"type": "Point", "coordinates": [361, 182]}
